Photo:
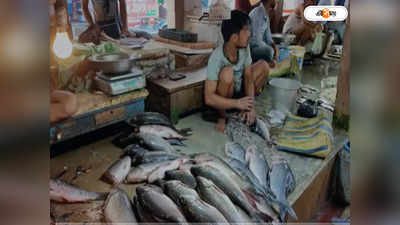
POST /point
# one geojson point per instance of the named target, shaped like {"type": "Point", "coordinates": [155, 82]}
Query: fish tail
{"type": "Point", "coordinates": [286, 208]}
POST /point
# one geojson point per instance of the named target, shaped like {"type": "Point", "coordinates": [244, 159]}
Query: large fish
{"type": "Point", "coordinates": [225, 183]}
{"type": "Point", "coordinates": [134, 151]}
{"type": "Point", "coordinates": [159, 173]}
{"type": "Point", "coordinates": [162, 131]}
{"type": "Point", "coordinates": [182, 175]}
{"type": "Point", "coordinates": [140, 173]}
{"type": "Point", "coordinates": [175, 189]}
{"type": "Point", "coordinates": [214, 196]}
{"type": "Point", "coordinates": [262, 129]}
{"type": "Point", "coordinates": [244, 171]}
{"type": "Point", "coordinates": [118, 208]}
{"type": "Point", "coordinates": [159, 156]}
{"type": "Point", "coordinates": [153, 118]}
{"type": "Point", "coordinates": [155, 143]}
{"type": "Point", "coordinates": [195, 209]}
{"type": "Point", "coordinates": [63, 192]}
{"type": "Point", "coordinates": [161, 206]}
{"type": "Point", "coordinates": [235, 151]}
{"type": "Point", "coordinates": [208, 159]}
{"type": "Point", "coordinates": [258, 165]}
{"type": "Point", "coordinates": [118, 171]}
{"type": "Point", "coordinates": [282, 183]}
{"type": "Point", "coordinates": [144, 216]}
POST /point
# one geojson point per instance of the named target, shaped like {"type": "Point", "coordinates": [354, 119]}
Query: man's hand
{"type": "Point", "coordinates": [245, 104]}
{"type": "Point", "coordinates": [249, 117]}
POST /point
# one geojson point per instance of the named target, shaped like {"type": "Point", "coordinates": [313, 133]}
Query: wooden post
{"type": "Point", "coordinates": [341, 116]}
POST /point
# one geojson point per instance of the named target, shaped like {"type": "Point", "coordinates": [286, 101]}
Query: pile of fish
{"type": "Point", "coordinates": [154, 124]}
{"type": "Point", "coordinates": [265, 167]}
{"type": "Point", "coordinates": [200, 188]}
{"type": "Point", "coordinates": [243, 187]}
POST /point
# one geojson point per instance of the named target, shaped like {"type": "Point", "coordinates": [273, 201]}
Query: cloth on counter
{"type": "Point", "coordinates": [306, 136]}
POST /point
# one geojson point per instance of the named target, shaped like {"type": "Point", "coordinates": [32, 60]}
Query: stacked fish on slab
{"type": "Point", "coordinates": [153, 124]}
{"type": "Point", "coordinates": [243, 187]}
{"type": "Point", "coordinates": [251, 148]}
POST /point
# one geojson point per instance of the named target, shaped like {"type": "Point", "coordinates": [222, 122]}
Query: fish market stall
{"type": "Point", "coordinates": [159, 164]}
{"type": "Point", "coordinates": [86, 166]}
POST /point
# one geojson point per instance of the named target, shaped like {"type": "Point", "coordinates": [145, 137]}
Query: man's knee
{"type": "Point", "coordinates": [261, 69]}
{"type": "Point", "coordinates": [264, 67]}
{"type": "Point", "coordinates": [226, 75]}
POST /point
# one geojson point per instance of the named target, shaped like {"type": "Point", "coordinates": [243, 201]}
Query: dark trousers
{"type": "Point", "coordinates": [111, 27]}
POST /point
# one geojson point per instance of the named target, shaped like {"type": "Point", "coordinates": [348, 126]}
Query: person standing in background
{"type": "Point", "coordinates": [261, 44]}
{"type": "Point", "coordinates": [109, 15]}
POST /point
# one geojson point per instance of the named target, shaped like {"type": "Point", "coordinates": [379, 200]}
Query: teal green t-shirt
{"type": "Point", "coordinates": [218, 61]}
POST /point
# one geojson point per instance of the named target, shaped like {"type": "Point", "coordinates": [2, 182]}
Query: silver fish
{"type": "Point", "coordinates": [140, 173]}
{"type": "Point", "coordinates": [282, 182]}
{"type": "Point", "coordinates": [143, 215]}
{"type": "Point", "coordinates": [244, 171]}
{"type": "Point", "coordinates": [159, 156]}
{"type": "Point", "coordinates": [118, 171]}
{"type": "Point", "coordinates": [161, 206]}
{"type": "Point", "coordinates": [262, 129]}
{"type": "Point", "coordinates": [118, 208]}
{"type": "Point", "coordinates": [214, 196]}
{"type": "Point", "coordinates": [182, 175]}
{"type": "Point", "coordinates": [258, 165]}
{"type": "Point", "coordinates": [159, 173]}
{"type": "Point", "coordinates": [156, 143]}
{"type": "Point", "coordinates": [195, 209]}
{"type": "Point", "coordinates": [63, 192]}
{"type": "Point", "coordinates": [235, 151]}
{"type": "Point", "coordinates": [162, 131]}
{"type": "Point", "coordinates": [154, 118]}
{"type": "Point", "coordinates": [224, 182]}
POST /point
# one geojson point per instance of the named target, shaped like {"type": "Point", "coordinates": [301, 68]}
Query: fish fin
{"type": "Point", "coordinates": [186, 132]}
{"type": "Point", "coordinates": [176, 142]}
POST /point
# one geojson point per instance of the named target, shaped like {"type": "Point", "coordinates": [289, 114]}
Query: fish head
{"type": "Point", "coordinates": [184, 200]}
{"type": "Point", "coordinates": [204, 182]}
{"type": "Point", "coordinates": [197, 170]}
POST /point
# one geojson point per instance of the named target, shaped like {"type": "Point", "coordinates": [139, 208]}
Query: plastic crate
{"type": "Point", "coordinates": [178, 35]}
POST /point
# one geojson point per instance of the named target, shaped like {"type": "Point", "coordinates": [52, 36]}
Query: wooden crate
{"type": "Point", "coordinates": [176, 98]}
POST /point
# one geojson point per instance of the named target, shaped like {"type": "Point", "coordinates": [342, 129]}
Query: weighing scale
{"type": "Point", "coordinates": [112, 84]}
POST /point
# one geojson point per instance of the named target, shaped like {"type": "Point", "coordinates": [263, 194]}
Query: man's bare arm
{"type": "Point", "coordinates": [249, 82]}
{"type": "Point", "coordinates": [124, 17]}
{"type": "Point", "coordinates": [86, 13]}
